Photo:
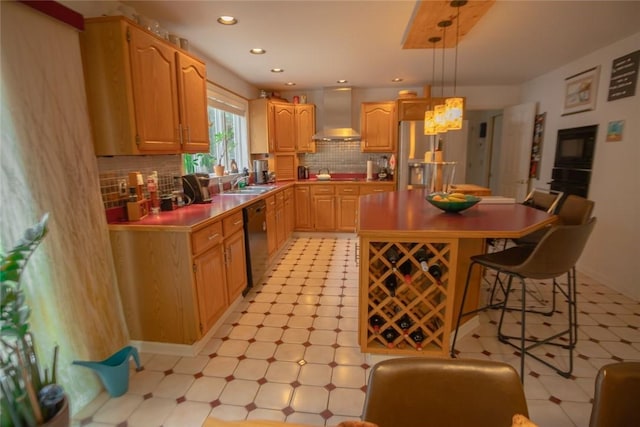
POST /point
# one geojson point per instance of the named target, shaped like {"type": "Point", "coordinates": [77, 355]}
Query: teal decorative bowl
{"type": "Point", "coordinates": [442, 201]}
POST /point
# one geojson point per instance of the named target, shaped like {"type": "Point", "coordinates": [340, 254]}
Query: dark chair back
{"type": "Point", "coordinates": [575, 210]}
{"type": "Point", "coordinates": [617, 390]}
{"type": "Point", "coordinates": [417, 391]}
{"type": "Point", "coordinates": [544, 200]}
{"type": "Point", "coordinates": [557, 252]}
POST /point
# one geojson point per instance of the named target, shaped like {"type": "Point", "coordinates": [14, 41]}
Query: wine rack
{"type": "Point", "coordinates": [406, 297]}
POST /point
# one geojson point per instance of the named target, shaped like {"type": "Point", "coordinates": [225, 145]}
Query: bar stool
{"type": "Point", "coordinates": [556, 254]}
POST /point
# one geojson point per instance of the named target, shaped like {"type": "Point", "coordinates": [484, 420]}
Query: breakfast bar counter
{"type": "Point", "coordinates": [413, 264]}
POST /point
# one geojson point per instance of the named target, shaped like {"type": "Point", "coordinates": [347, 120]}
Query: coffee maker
{"type": "Point", "coordinates": [196, 187]}
{"type": "Point", "coordinates": [260, 171]}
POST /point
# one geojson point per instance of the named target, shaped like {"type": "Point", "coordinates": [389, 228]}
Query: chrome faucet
{"type": "Point", "coordinates": [237, 181]}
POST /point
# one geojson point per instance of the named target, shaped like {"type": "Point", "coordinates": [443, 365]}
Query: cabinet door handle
{"type": "Point", "coordinates": [188, 129]}
{"type": "Point", "coordinates": [213, 236]}
{"type": "Point", "coordinates": [180, 133]}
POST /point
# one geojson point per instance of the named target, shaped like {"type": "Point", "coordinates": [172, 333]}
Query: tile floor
{"type": "Point", "coordinates": [289, 352]}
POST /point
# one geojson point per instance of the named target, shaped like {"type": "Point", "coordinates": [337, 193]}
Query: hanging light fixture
{"type": "Point", "coordinates": [440, 110]}
{"type": "Point", "coordinates": [429, 116]}
{"type": "Point", "coordinates": [455, 104]}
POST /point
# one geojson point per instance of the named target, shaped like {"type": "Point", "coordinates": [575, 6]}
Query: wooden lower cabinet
{"type": "Point", "coordinates": [272, 237]}
{"type": "Point", "coordinates": [289, 212]}
{"type": "Point", "coordinates": [303, 208]}
{"type": "Point", "coordinates": [346, 207]}
{"type": "Point", "coordinates": [281, 229]}
{"type": "Point", "coordinates": [209, 269]}
{"type": "Point", "coordinates": [175, 285]}
{"type": "Point", "coordinates": [235, 259]}
{"type": "Point", "coordinates": [323, 207]}
{"type": "Point", "coordinates": [332, 206]}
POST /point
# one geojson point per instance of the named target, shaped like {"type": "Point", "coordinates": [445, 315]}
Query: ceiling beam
{"type": "Point", "coordinates": [427, 15]}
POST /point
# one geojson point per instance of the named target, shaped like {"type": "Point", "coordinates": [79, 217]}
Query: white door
{"type": "Point", "coordinates": [515, 150]}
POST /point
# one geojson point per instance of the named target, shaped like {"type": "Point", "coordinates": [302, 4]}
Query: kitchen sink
{"type": "Point", "coordinates": [251, 190]}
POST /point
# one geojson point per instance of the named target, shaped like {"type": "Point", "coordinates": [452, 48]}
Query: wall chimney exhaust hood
{"type": "Point", "coordinates": [337, 116]}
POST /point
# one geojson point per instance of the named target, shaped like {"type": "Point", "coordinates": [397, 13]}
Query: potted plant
{"type": "Point", "coordinates": [30, 395]}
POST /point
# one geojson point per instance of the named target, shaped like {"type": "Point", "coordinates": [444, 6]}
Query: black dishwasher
{"type": "Point", "coordinates": [255, 235]}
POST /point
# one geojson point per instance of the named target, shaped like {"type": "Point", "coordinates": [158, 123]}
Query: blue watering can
{"type": "Point", "coordinates": [114, 371]}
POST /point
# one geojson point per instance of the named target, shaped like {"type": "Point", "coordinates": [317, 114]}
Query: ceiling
{"type": "Point", "coordinates": [319, 42]}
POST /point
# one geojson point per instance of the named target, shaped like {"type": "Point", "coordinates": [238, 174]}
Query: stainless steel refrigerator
{"type": "Point", "coordinates": [413, 144]}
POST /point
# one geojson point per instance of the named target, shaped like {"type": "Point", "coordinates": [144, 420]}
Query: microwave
{"type": "Point", "coordinates": [575, 147]}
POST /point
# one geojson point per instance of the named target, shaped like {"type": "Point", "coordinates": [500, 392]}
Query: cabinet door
{"type": "Point", "coordinates": [305, 124]}
{"type": "Point", "coordinates": [155, 92]}
{"type": "Point", "coordinates": [285, 166]}
{"type": "Point", "coordinates": [236, 265]}
{"type": "Point", "coordinates": [303, 208]}
{"type": "Point", "coordinates": [378, 126]}
{"type": "Point", "coordinates": [194, 119]}
{"type": "Point", "coordinates": [210, 287]}
{"type": "Point", "coordinates": [284, 128]}
{"type": "Point", "coordinates": [346, 213]}
{"type": "Point", "coordinates": [281, 236]}
{"type": "Point", "coordinates": [289, 212]}
{"type": "Point", "coordinates": [324, 218]}
{"type": "Point", "coordinates": [272, 232]}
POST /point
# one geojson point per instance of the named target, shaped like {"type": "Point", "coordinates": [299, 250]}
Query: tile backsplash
{"type": "Point", "coordinates": [339, 157]}
{"type": "Point", "coordinates": [114, 169]}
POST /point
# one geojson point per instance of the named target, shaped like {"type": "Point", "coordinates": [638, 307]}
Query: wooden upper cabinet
{"type": "Point", "coordinates": [145, 95]}
{"type": "Point", "coordinates": [284, 131]}
{"type": "Point", "coordinates": [155, 92]}
{"type": "Point", "coordinates": [378, 126]}
{"type": "Point", "coordinates": [194, 118]}
{"type": "Point", "coordinates": [305, 125]}
{"type": "Point", "coordinates": [414, 108]}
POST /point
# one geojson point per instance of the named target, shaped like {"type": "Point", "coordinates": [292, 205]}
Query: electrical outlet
{"type": "Point", "coordinates": [122, 186]}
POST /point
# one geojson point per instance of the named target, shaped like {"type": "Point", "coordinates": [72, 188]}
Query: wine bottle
{"type": "Point", "coordinates": [404, 323]}
{"type": "Point", "coordinates": [417, 336]}
{"type": "Point", "coordinates": [389, 335]}
{"type": "Point", "coordinates": [405, 270]}
{"type": "Point", "coordinates": [392, 256]}
{"type": "Point", "coordinates": [435, 271]}
{"type": "Point", "coordinates": [391, 283]}
{"type": "Point", "coordinates": [423, 258]}
{"type": "Point", "coordinates": [376, 321]}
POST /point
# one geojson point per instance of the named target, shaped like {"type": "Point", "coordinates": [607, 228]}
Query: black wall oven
{"type": "Point", "coordinates": [575, 149]}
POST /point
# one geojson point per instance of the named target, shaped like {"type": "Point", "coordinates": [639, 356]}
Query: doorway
{"type": "Point", "coordinates": [483, 144]}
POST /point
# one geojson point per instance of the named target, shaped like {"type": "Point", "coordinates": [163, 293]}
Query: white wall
{"type": "Point", "coordinates": [613, 251]}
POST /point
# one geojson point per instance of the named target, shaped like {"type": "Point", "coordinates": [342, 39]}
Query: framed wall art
{"type": "Point", "coordinates": [580, 91]}
{"type": "Point", "coordinates": [614, 131]}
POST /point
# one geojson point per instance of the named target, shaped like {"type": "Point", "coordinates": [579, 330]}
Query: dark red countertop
{"type": "Point", "coordinates": [193, 216]}
{"type": "Point", "coordinates": [408, 213]}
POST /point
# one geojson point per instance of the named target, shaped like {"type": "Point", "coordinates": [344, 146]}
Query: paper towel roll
{"type": "Point", "coordinates": [369, 169]}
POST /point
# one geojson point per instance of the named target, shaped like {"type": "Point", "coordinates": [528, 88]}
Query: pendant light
{"type": "Point", "coordinates": [455, 104]}
{"type": "Point", "coordinates": [440, 110]}
{"type": "Point", "coordinates": [429, 116]}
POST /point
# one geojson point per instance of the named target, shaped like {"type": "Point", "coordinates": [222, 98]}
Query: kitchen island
{"type": "Point", "coordinates": [413, 264]}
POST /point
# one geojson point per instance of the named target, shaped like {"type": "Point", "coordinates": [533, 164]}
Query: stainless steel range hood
{"type": "Point", "coordinates": [336, 108]}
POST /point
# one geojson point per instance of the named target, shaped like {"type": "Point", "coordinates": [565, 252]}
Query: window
{"type": "Point", "coordinates": [227, 133]}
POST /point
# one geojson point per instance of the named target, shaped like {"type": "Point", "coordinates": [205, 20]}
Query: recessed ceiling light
{"type": "Point", "coordinates": [227, 20]}
{"type": "Point", "coordinates": [397, 79]}
{"type": "Point", "coordinates": [290, 84]}
{"type": "Point", "coordinates": [277, 70]}
{"type": "Point", "coordinates": [342, 81]}
{"type": "Point", "coordinates": [258, 51]}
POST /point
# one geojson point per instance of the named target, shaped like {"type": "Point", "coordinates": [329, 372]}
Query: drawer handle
{"type": "Point", "coordinates": [213, 236]}
{"type": "Point", "coordinates": [237, 222]}
{"type": "Point", "coordinates": [348, 190]}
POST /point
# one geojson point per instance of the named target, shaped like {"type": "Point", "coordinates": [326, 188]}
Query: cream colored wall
{"type": "Point", "coordinates": [48, 165]}
{"type": "Point", "coordinates": [612, 252]}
